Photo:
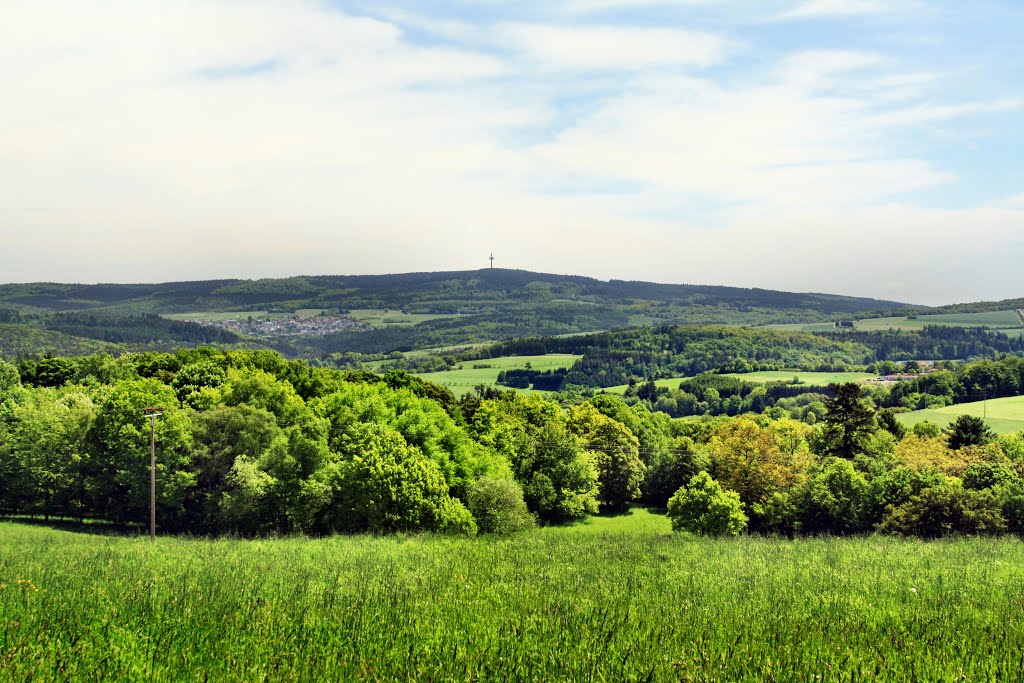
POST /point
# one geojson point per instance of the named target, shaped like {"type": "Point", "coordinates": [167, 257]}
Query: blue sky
{"type": "Point", "coordinates": [862, 147]}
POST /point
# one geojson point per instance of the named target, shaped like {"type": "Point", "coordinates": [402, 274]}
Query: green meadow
{"type": "Point", "coordinates": [1007, 321]}
{"type": "Point", "coordinates": [995, 319]}
{"type": "Point", "coordinates": [464, 376]}
{"type": "Point", "coordinates": [616, 599]}
{"type": "Point", "coordinates": [223, 316]}
{"type": "Point", "coordinates": [671, 383]}
{"type": "Point", "coordinates": [1003, 415]}
{"type": "Point", "coordinates": [810, 378]}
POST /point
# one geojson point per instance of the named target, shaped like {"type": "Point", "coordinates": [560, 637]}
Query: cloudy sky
{"type": "Point", "coordinates": [867, 147]}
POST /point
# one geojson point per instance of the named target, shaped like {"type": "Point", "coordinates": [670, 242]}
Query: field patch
{"type": "Point", "coordinates": [378, 317]}
{"type": "Point", "coordinates": [814, 379]}
{"type": "Point", "coordinates": [469, 374]}
{"type": "Point", "coordinates": [671, 383]}
{"type": "Point", "coordinates": [550, 605]}
{"type": "Point", "coordinates": [1003, 415]}
{"type": "Point", "coordinates": [993, 319]}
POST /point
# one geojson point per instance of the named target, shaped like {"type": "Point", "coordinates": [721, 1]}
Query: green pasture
{"type": "Point", "coordinates": [995, 319]}
{"type": "Point", "coordinates": [378, 317]}
{"type": "Point", "coordinates": [464, 376]}
{"type": "Point", "coordinates": [1003, 415]}
{"type": "Point", "coordinates": [671, 383]}
{"type": "Point", "coordinates": [1006, 321]}
{"type": "Point", "coordinates": [809, 378]}
{"type": "Point", "coordinates": [802, 327]}
{"type": "Point", "coordinates": [222, 316]}
{"type": "Point", "coordinates": [619, 602]}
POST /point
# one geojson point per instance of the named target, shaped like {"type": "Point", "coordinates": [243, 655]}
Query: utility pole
{"type": "Point", "coordinates": [152, 414]}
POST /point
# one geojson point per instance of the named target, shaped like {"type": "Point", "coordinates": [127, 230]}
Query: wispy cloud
{"type": "Point", "coordinates": [812, 9]}
{"type": "Point", "coordinates": [257, 139]}
{"type": "Point", "coordinates": [610, 47]}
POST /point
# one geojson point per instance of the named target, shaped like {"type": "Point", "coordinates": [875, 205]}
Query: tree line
{"type": "Point", "coordinates": [250, 443]}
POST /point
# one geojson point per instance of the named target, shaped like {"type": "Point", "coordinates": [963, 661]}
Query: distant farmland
{"type": "Point", "coordinates": [1003, 415]}
{"type": "Point", "coordinates": [1008, 322]}
{"type": "Point", "coordinates": [462, 379]}
{"type": "Point", "coordinates": [815, 379]}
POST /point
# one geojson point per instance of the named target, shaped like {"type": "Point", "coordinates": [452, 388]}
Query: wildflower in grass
{"type": "Point", "coordinates": [913, 590]}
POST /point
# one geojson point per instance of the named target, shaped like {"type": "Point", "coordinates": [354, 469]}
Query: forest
{"type": "Point", "coordinates": [648, 353]}
{"type": "Point", "coordinates": [251, 443]}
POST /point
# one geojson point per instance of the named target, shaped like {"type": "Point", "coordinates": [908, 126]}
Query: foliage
{"type": "Point", "coordinates": [849, 421]}
{"type": "Point", "coordinates": [703, 507]}
{"type": "Point", "coordinates": [498, 507]}
{"type": "Point", "coordinates": [945, 510]}
{"type": "Point", "coordinates": [968, 430]}
{"type": "Point", "coordinates": [616, 454]}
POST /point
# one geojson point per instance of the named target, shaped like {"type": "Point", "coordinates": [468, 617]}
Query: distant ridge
{"type": "Point", "coordinates": [172, 296]}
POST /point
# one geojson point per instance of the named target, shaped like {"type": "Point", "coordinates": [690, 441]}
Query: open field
{"type": "Point", "coordinates": [372, 316]}
{"type": "Point", "coordinates": [555, 604]}
{"type": "Point", "coordinates": [817, 379]}
{"type": "Point", "coordinates": [1003, 415]}
{"type": "Point", "coordinates": [463, 381]}
{"type": "Point", "coordinates": [385, 318]}
{"type": "Point", "coordinates": [810, 378]}
{"type": "Point", "coordinates": [221, 316]}
{"type": "Point", "coordinates": [671, 383]}
{"type": "Point", "coordinates": [995, 319]}
{"type": "Point", "coordinates": [1005, 321]}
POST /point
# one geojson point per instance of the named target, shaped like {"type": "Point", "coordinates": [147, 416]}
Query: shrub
{"type": "Point", "coordinates": [946, 510]}
{"type": "Point", "coordinates": [703, 507]}
{"type": "Point", "coordinates": [498, 506]}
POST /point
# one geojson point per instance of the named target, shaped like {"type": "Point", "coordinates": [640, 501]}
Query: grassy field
{"type": "Point", "coordinates": [221, 316]}
{"type": "Point", "coordinates": [372, 316]}
{"type": "Point", "coordinates": [816, 379]}
{"type": "Point", "coordinates": [810, 378]}
{"type": "Point", "coordinates": [1003, 415]}
{"type": "Point", "coordinates": [996, 319]}
{"type": "Point", "coordinates": [1006, 321]}
{"type": "Point", "coordinates": [377, 317]}
{"type": "Point", "coordinates": [672, 383]}
{"type": "Point", "coordinates": [462, 381]}
{"type": "Point", "coordinates": [613, 600]}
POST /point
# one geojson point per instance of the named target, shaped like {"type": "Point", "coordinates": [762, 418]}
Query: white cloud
{"type": "Point", "coordinates": [611, 48]}
{"type": "Point", "coordinates": [833, 8]}
{"type": "Point", "coordinates": [233, 138]}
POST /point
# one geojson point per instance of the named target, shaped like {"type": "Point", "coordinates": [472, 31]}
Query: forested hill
{"type": "Point", "coordinates": [442, 292]}
{"type": "Point", "coordinates": [382, 313]}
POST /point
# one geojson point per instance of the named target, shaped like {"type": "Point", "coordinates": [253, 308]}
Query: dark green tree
{"type": "Point", "coordinates": [968, 430]}
{"type": "Point", "coordinates": [849, 421]}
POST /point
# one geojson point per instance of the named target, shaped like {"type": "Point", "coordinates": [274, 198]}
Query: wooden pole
{"type": "Point", "coordinates": [152, 414]}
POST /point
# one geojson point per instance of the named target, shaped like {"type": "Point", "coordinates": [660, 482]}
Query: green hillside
{"type": "Point", "coordinates": [1003, 415]}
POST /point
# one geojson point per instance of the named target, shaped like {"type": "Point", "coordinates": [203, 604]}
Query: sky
{"type": "Point", "coordinates": [862, 147]}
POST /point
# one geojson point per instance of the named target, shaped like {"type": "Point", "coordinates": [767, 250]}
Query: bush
{"type": "Point", "coordinates": [703, 507]}
{"type": "Point", "coordinates": [945, 510]}
{"type": "Point", "coordinates": [498, 506]}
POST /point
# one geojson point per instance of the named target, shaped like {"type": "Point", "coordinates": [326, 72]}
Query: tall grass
{"type": "Point", "coordinates": [637, 604]}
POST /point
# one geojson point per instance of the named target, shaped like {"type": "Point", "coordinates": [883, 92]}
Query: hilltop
{"type": "Point", "coordinates": [387, 312]}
